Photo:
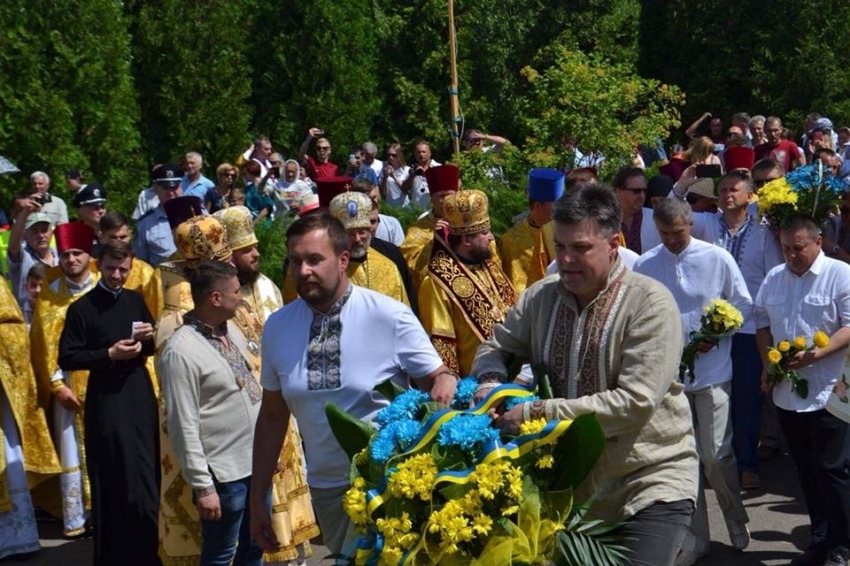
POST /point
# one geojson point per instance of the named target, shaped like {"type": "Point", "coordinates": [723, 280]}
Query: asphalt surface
{"type": "Point", "coordinates": [778, 528]}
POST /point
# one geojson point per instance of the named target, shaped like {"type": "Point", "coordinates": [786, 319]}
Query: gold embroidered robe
{"type": "Point", "coordinates": [292, 513]}
{"type": "Point", "coordinates": [459, 305]}
{"type": "Point", "coordinates": [18, 382]}
{"type": "Point", "coordinates": [378, 273]}
{"type": "Point", "coordinates": [526, 252]}
{"type": "Point", "coordinates": [145, 280]}
{"type": "Point", "coordinates": [48, 320]}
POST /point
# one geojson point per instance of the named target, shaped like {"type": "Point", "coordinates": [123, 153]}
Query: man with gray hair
{"type": "Point", "coordinates": [51, 205]}
{"type": "Point", "coordinates": [697, 273]}
{"type": "Point", "coordinates": [610, 340]}
{"type": "Point", "coordinates": [194, 183]}
{"type": "Point", "coordinates": [757, 130]}
{"type": "Point", "coordinates": [370, 161]}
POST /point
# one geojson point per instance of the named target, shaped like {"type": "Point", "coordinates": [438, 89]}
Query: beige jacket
{"type": "Point", "coordinates": [619, 359]}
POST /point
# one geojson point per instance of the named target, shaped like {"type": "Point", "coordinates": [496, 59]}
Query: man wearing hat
{"type": "Point", "coordinates": [90, 202]}
{"type": "Point", "coordinates": [154, 242]}
{"type": "Point", "coordinates": [29, 243]}
{"type": "Point", "coordinates": [74, 179]}
{"type": "Point", "coordinates": [65, 390]}
{"type": "Point", "coordinates": [465, 292]}
{"type": "Point", "coordinates": [292, 517]}
{"type": "Point", "coordinates": [442, 180]}
{"type": "Point", "coordinates": [528, 248]}
{"type": "Point", "coordinates": [367, 267]}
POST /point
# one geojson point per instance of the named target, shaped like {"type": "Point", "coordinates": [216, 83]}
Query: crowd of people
{"type": "Point", "coordinates": [200, 435]}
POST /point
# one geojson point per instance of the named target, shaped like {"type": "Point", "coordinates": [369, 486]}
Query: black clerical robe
{"type": "Point", "coordinates": [121, 436]}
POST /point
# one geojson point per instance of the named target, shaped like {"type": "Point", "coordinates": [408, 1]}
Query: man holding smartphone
{"type": "Point", "coordinates": [320, 166]}
{"type": "Point", "coordinates": [109, 331]}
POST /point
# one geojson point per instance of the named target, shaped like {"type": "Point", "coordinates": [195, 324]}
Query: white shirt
{"type": "Point", "coordinates": [791, 306]}
{"type": "Point", "coordinates": [395, 196]}
{"type": "Point", "coordinates": [381, 339]}
{"type": "Point", "coordinates": [699, 274]}
{"type": "Point", "coordinates": [754, 247]}
{"type": "Point", "coordinates": [419, 194]}
{"type": "Point", "coordinates": [390, 230]}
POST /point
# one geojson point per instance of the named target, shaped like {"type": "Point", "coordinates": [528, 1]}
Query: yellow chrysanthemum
{"type": "Point", "coordinates": [820, 339]}
{"type": "Point", "coordinates": [414, 477]}
{"type": "Point", "coordinates": [546, 461]}
{"type": "Point", "coordinates": [775, 192]}
{"type": "Point", "coordinates": [354, 503]}
{"type": "Point", "coordinates": [783, 346]}
{"type": "Point", "coordinates": [531, 427]}
{"type": "Point", "coordinates": [800, 342]}
{"type": "Point", "coordinates": [721, 317]}
{"type": "Point", "coordinates": [774, 356]}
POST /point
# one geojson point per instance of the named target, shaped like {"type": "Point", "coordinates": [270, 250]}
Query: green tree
{"type": "Point", "coordinates": [606, 105]}
{"type": "Point", "coordinates": [316, 65]}
{"type": "Point", "coordinates": [66, 94]}
{"type": "Point", "coordinates": [191, 64]}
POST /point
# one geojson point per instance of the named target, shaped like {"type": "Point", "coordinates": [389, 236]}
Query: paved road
{"type": "Point", "coordinates": [778, 525]}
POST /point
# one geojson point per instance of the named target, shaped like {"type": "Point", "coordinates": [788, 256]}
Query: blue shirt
{"type": "Point", "coordinates": [154, 242]}
{"type": "Point", "coordinates": [199, 188]}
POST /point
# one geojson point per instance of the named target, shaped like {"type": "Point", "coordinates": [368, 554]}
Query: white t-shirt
{"type": "Point", "coordinates": [395, 196]}
{"type": "Point", "coordinates": [390, 230]}
{"type": "Point", "coordinates": [419, 194]}
{"type": "Point", "coordinates": [381, 339]}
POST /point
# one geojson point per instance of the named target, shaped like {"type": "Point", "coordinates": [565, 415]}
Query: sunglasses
{"type": "Point", "coordinates": [633, 190]}
{"type": "Point", "coordinates": [323, 148]}
{"type": "Point", "coordinates": [392, 155]}
{"type": "Point", "coordinates": [762, 182]}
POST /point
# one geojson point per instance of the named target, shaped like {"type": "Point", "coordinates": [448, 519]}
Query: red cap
{"type": "Point", "coordinates": [443, 178]}
{"type": "Point", "coordinates": [329, 187]}
{"type": "Point", "coordinates": [739, 158]}
{"type": "Point", "coordinates": [74, 236]}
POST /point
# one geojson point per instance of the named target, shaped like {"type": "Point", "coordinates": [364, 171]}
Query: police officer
{"type": "Point", "coordinates": [90, 202]}
{"type": "Point", "coordinates": [154, 242]}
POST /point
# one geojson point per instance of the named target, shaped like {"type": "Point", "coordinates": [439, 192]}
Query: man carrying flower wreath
{"type": "Point", "coordinates": [333, 344]}
{"type": "Point", "coordinates": [810, 293]}
{"type": "Point", "coordinates": [611, 341]}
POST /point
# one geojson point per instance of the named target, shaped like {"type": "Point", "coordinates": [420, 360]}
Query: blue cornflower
{"type": "Point", "coordinates": [393, 438]}
{"type": "Point", "coordinates": [512, 402]}
{"type": "Point", "coordinates": [405, 406]}
{"type": "Point", "coordinates": [467, 432]}
{"type": "Point", "coordinates": [465, 390]}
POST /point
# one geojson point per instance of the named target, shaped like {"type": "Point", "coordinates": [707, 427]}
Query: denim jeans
{"type": "Point", "coordinates": [747, 400]}
{"type": "Point", "coordinates": [229, 538]}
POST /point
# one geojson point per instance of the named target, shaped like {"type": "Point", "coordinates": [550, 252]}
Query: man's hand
{"type": "Point", "coordinates": [706, 344]}
{"type": "Point", "coordinates": [143, 331]}
{"type": "Point", "coordinates": [766, 385]}
{"type": "Point", "coordinates": [803, 359]}
{"type": "Point", "coordinates": [315, 132]}
{"type": "Point", "coordinates": [125, 349]}
{"type": "Point", "coordinates": [28, 205]}
{"type": "Point", "coordinates": [444, 388]}
{"type": "Point", "coordinates": [261, 529]}
{"type": "Point", "coordinates": [510, 421]}
{"type": "Point", "coordinates": [209, 507]}
{"type": "Point", "coordinates": [66, 398]}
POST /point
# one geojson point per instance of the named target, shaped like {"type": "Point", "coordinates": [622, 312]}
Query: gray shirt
{"type": "Point", "coordinates": [18, 270]}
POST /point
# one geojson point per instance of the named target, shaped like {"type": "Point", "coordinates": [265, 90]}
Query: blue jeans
{"type": "Point", "coordinates": [229, 538]}
{"type": "Point", "coordinates": [747, 399]}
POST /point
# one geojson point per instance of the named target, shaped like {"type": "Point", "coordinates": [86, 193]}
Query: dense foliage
{"type": "Point", "coordinates": [114, 87]}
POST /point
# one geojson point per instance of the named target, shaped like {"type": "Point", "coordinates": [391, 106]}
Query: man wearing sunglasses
{"type": "Point", "coordinates": [637, 226]}
{"type": "Point", "coordinates": [320, 166]}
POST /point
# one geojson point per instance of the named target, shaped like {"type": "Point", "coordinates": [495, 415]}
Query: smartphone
{"type": "Point", "coordinates": [708, 171]}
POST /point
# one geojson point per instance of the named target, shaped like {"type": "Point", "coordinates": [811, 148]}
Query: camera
{"type": "Point", "coordinates": [42, 198]}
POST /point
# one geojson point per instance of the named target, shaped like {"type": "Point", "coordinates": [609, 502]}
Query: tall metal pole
{"type": "Point", "coordinates": [453, 102]}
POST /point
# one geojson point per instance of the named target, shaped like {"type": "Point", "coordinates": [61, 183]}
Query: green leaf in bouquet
{"type": "Point", "coordinates": [541, 377]}
{"type": "Point", "coordinates": [352, 434]}
{"type": "Point", "coordinates": [589, 541]}
{"type": "Point", "coordinates": [576, 452]}
{"type": "Point", "coordinates": [389, 389]}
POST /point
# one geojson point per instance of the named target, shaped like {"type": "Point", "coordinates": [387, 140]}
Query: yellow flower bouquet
{"type": "Point", "coordinates": [438, 485]}
{"type": "Point", "coordinates": [779, 356]}
{"type": "Point", "coordinates": [811, 190]}
{"type": "Point", "coordinates": [719, 319]}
